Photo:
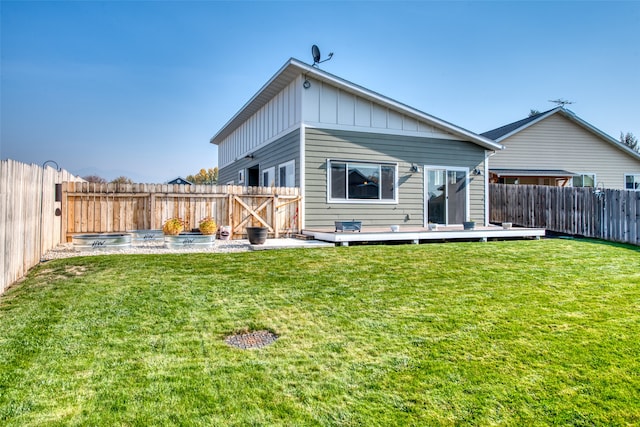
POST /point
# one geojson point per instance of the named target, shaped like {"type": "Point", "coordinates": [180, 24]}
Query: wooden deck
{"type": "Point", "coordinates": [416, 235]}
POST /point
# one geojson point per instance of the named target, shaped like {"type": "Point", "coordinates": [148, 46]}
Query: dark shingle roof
{"type": "Point", "coordinates": [497, 133]}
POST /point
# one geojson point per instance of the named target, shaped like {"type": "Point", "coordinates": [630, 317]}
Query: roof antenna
{"type": "Point", "coordinates": [561, 102]}
{"type": "Point", "coordinates": [315, 51]}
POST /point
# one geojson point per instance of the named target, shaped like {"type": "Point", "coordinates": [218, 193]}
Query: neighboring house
{"type": "Point", "coordinates": [355, 154]}
{"type": "Point", "coordinates": [180, 180]}
{"type": "Point", "coordinates": [560, 149]}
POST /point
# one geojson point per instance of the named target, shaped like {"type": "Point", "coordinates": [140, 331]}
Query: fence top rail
{"type": "Point", "coordinates": [74, 188]}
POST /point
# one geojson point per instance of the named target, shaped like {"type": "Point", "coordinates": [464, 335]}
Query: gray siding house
{"type": "Point", "coordinates": [559, 148]}
{"type": "Point", "coordinates": [355, 154]}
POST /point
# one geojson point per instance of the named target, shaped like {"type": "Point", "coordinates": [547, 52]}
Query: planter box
{"type": "Point", "coordinates": [348, 226]}
{"type": "Point", "coordinates": [189, 240]}
{"type": "Point", "coordinates": [146, 236]}
{"type": "Point", "coordinates": [84, 242]}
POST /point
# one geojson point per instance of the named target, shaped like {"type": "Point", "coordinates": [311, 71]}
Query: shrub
{"type": "Point", "coordinates": [173, 226]}
{"type": "Point", "coordinates": [208, 226]}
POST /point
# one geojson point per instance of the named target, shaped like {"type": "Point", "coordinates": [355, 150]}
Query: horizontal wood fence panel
{"type": "Point", "coordinates": [612, 215]}
{"type": "Point", "coordinates": [29, 225]}
{"type": "Point", "coordinates": [104, 208]}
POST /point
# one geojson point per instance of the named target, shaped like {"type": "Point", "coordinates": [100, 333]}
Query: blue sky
{"type": "Point", "coordinates": [138, 88]}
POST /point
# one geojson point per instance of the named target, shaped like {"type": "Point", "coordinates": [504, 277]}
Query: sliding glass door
{"type": "Point", "coordinates": [446, 195]}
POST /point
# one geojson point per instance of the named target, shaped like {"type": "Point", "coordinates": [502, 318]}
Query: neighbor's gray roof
{"type": "Point", "coordinates": [532, 172]}
{"type": "Point", "coordinates": [498, 133]}
{"type": "Point", "coordinates": [293, 68]}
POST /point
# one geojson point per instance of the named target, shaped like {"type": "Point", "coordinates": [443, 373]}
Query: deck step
{"type": "Point", "coordinates": [302, 237]}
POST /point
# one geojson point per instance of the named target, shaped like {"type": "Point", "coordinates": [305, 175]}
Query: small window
{"type": "Point", "coordinates": [287, 174]}
{"type": "Point", "coordinates": [269, 177]}
{"type": "Point", "coordinates": [632, 182]}
{"type": "Point", "coordinates": [241, 176]}
{"type": "Point", "coordinates": [361, 181]}
{"type": "Point", "coordinates": [585, 180]}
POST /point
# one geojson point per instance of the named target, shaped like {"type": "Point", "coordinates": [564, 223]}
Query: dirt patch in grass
{"type": "Point", "coordinates": [61, 274]}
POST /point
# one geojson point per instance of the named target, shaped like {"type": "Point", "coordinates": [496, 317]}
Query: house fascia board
{"type": "Point", "coordinates": [294, 67]}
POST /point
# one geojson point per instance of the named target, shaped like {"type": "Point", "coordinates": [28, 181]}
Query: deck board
{"type": "Point", "coordinates": [418, 234]}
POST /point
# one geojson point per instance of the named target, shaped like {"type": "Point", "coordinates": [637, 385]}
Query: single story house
{"type": "Point", "coordinates": [355, 154]}
{"type": "Point", "coordinates": [559, 148]}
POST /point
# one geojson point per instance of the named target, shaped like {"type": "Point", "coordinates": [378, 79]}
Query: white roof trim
{"type": "Point", "coordinates": [294, 67]}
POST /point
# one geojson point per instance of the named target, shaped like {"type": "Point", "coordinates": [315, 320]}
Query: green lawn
{"type": "Point", "coordinates": [500, 333]}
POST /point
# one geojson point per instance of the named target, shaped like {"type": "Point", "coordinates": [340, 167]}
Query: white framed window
{"type": "Point", "coordinates": [268, 177]}
{"type": "Point", "coordinates": [361, 181]}
{"type": "Point", "coordinates": [287, 174]}
{"type": "Point", "coordinates": [632, 181]}
{"type": "Point", "coordinates": [241, 176]}
{"type": "Point", "coordinates": [584, 180]}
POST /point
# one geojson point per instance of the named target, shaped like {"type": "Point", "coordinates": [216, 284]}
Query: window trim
{"type": "Point", "coordinates": [636, 181]}
{"type": "Point", "coordinates": [394, 201]}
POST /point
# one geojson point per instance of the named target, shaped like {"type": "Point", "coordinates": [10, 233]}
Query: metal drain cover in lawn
{"type": "Point", "coordinates": [249, 340]}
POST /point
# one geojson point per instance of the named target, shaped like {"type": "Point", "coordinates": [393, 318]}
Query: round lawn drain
{"type": "Point", "coordinates": [249, 340]}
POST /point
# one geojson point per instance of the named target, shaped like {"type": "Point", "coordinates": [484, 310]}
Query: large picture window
{"type": "Point", "coordinates": [362, 181]}
{"type": "Point", "coordinates": [632, 182]}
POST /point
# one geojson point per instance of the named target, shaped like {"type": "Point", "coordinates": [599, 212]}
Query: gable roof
{"type": "Point", "coordinates": [504, 132]}
{"type": "Point", "coordinates": [179, 180]}
{"type": "Point", "coordinates": [499, 133]}
{"type": "Point", "coordinates": [294, 68]}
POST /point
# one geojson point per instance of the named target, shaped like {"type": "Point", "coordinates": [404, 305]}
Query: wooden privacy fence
{"type": "Point", "coordinates": [604, 214]}
{"type": "Point", "coordinates": [104, 208]}
{"type": "Point", "coordinates": [29, 225]}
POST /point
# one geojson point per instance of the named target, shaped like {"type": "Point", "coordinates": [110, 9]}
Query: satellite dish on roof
{"type": "Point", "coordinates": [315, 52]}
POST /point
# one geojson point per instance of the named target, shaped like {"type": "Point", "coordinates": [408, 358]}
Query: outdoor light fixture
{"type": "Point", "coordinates": [477, 171]}
{"type": "Point", "coordinates": [249, 156]}
{"type": "Point", "coordinates": [415, 168]}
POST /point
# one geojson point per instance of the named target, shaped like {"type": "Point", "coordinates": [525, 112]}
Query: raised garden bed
{"type": "Point", "coordinates": [101, 241]}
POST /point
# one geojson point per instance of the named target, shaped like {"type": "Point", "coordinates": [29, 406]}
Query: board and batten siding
{"type": "Point", "coordinates": [558, 143]}
{"type": "Point", "coordinates": [283, 150]}
{"type": "Point", "coordinates": [322, 144]}
{"type": "Point", "coordinates": [275, 119]}
{"type": "Point", "coordinates": [324, 105]}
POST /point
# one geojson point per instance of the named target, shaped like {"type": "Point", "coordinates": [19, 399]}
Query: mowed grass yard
{"type": "Point", "coordinates": [500, 333]}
